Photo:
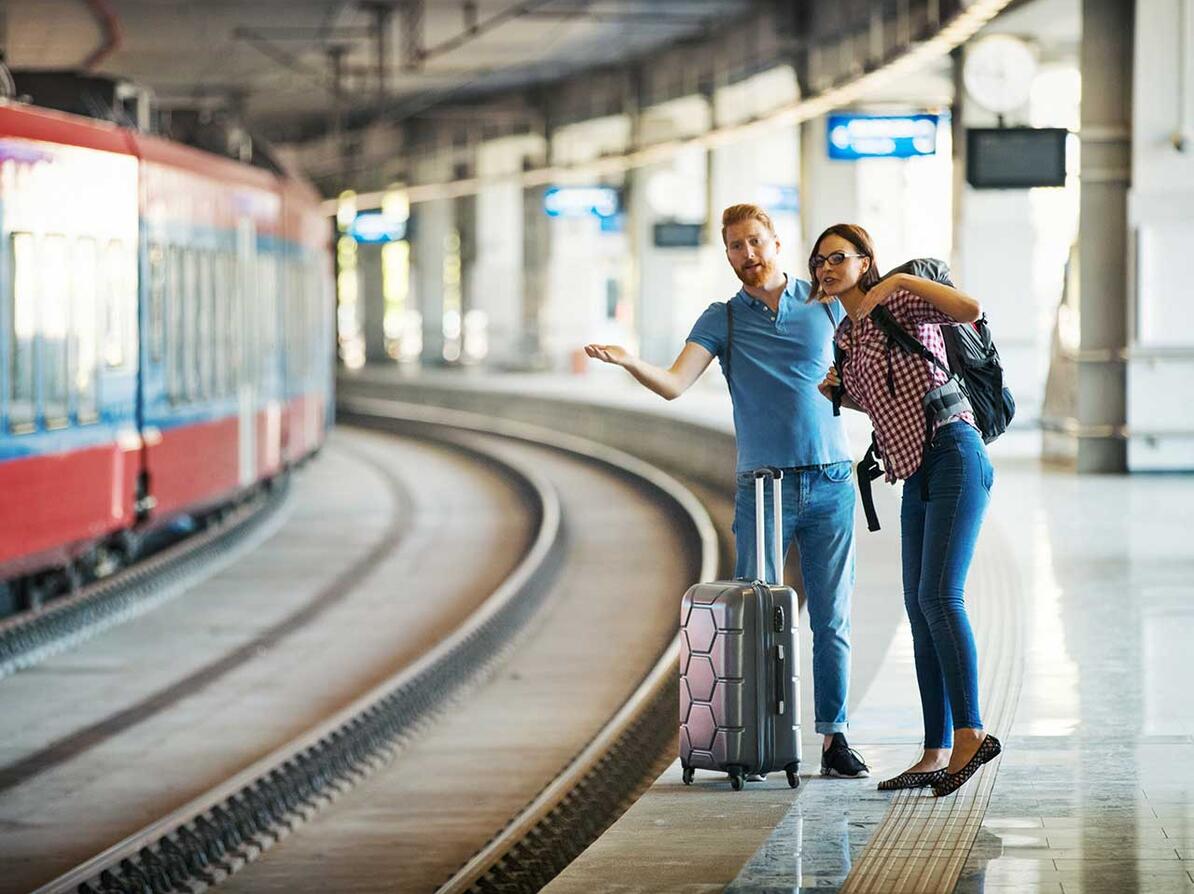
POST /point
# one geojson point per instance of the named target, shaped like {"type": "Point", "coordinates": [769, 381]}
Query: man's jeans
{"type": "Point", "coordinates": [938, 539]}
{"type": "Point", "coordinates": [818, 513]}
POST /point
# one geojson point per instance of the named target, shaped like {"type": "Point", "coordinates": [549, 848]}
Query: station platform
{"type": "Point", "coordinates": [1080, 597]}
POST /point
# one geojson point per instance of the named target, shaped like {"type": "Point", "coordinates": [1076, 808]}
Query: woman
{"type": "Point", "coordinates": [938, 534]}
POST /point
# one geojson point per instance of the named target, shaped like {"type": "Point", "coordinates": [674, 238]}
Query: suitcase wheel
{"type": "Point", "coordinates": [793, 779]}
{"type": "Point", "coordinates": [688, 774]}
{"type": "Point", "coordinates": [736, 779]}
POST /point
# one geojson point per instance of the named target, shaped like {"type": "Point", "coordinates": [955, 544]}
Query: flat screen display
{"type": "Point", "coordinates": [1015, 157]}
{"type": "Point", "coordinates": [671, 234]}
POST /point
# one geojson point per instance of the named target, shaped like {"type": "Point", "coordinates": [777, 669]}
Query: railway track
{"type": "Point", "coordinates": [250, 670]}
{"type": "Point", "coordinates": [234, 822]}
{"type": "Point", "coordinates": [594, 775]}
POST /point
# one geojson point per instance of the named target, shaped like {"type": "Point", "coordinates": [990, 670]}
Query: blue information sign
{"type": "Point", "coordinates": [881, 136]}
{"type": "Point", "coordinates": [373, 227]}
{"type": "Point", "coordinates": [581, 201]}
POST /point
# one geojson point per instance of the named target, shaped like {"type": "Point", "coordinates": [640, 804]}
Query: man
{"type": "Point", "coordinates": [781, 346]}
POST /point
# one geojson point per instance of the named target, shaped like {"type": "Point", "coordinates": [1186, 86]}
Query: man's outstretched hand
{"type": "Point", "coordinates": [615, 354]}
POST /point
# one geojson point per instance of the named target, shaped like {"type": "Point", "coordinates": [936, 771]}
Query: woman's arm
{"type": "Point", "coordinates": [954, 304]}
{"type": "Point", "coordinates": [827, 386]}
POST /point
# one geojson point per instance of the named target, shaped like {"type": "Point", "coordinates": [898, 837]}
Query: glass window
{"type": "Point", "coordinates": [85, 329]}
{"type": "Point", "coordinates": [119, 306]}
{"type": "Point", "coordinates": [174, 325]}
{"type": "Point", "coordinates": [53, 304]}
{"type": "Point", "coordinates": [21, 410]}
{"type": "Point", "coordinates": [157, 302]}
{"type": "Point", "coordinates": [206, 337]}
{"type": "Point", "coordinates": [249, 322]}
{"type": "Point", "coordinates": [235, 316]}
{"type": "Point", "coordinates": [219, 323]}
{"type": "Point", "coordinates": [189, 310]}
{"type": "Point", "coordinates": [267, 265]}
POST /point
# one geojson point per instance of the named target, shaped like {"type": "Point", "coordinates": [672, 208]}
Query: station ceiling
{"type": "Point", "coordinates": [273, 60]}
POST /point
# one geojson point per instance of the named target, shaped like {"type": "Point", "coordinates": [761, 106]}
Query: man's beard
{"type": "Point", "coordinates": [756, 276]}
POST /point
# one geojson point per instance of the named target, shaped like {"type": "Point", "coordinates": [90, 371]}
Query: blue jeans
{"type": "Point", "coordinates": [937, 539]}
{"type": "Point", "coordinates": [818, 513]}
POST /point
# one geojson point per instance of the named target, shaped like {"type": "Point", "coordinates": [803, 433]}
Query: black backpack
{"type": "Point", "coordinates": [976, 378]}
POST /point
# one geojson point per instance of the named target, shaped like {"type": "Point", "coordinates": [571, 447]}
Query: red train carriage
{"type": "Point", "coordinates": [165, 336]}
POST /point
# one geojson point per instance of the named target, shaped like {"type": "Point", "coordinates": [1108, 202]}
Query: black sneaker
{"type": "Point", "coordinates": [839, 759]}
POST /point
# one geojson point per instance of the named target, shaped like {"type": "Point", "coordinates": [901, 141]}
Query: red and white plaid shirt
{"type": "Point", "coordinates": [872, 369]}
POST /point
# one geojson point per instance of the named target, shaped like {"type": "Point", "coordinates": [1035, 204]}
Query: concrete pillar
{"type": "Point", "coordinates": [1161, 335]}
{"type": "Point", "coordinates": [753, 170]}
{"type": "Point", "coordinates": [433, 224]}
{"type": "Point", "coordinates": [671, 289]}
{"type": "Point", "coordinates": [828, 188]}
{"type": "Point", "coordinates": [1107, 38]}
{"type": "Point", "coordinates": [372, 302]}
{"type": "Point", "coordinates": [498, 283]}
{"type": "Point", "coordinates": [536, 259]}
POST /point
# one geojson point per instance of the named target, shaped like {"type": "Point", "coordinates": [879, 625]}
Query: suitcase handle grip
{"type": "Point", "coordinates": [779, 679]}
{"type": "Point", "coordinates": [776, 476]}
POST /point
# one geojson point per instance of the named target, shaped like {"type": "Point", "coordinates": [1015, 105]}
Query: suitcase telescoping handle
{"type": "Point", "coordinates": [776, 476]}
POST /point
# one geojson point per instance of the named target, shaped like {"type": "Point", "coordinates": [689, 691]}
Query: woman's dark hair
{"type": "Point", "coordinates": [861, 240]}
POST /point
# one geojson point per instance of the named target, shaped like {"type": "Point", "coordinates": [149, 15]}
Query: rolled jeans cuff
{"type": "Point", "coordinates": [828, 729]}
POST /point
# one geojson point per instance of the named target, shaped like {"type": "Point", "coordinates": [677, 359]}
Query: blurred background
{"type": "Point", "coordinates": [506, 181]}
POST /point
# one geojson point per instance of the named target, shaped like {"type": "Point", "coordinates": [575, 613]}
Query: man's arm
{"type": "Point", "coordinates": [668, 383]}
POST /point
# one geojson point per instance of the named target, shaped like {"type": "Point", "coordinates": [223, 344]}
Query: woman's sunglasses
{"type": "Point", "coordinates": [834, 259]}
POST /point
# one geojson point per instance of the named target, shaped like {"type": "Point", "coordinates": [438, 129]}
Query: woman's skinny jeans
{"type": "Point", "coordinates": [937, 540]}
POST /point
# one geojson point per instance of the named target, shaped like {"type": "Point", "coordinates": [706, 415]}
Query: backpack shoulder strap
{"type": "Point", "coordinates": [729, 336]}
{"type": "Point", "coordinates": [903, 339]}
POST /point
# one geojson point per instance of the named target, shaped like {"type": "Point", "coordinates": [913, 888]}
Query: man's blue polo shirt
{"type": "Point", "coordinates": [780, 419]}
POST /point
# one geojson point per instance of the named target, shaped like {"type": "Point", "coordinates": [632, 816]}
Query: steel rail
{"type": "Point", "coordinates": [535, 830]}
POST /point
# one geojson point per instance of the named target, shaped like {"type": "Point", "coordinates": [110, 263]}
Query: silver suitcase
{"type": "Point", "coordinates": [740, 667]}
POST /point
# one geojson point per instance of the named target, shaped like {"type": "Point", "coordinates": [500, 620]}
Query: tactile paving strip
{"type": "Point", "coordinates": [923, 841]}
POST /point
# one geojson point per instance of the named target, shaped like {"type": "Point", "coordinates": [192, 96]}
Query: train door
{"type": "Point", "coordinates": [248, 327]}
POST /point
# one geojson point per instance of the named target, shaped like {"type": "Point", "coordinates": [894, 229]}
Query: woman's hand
{"type": "Point", "coordinates": [615, 354]}
{"type": "Point", "coordinates": [829, 384]}
{"type": "Point", "coordinates": [879, 293]}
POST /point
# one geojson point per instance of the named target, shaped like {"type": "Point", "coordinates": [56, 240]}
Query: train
{"type": "Point", "coordinates": [166, 340]}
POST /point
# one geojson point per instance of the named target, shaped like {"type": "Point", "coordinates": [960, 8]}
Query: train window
{"type": "Point", "coordinates": [206, 332]}
{"type": "Point", "coordinates": [224, 276]}
{"type": "Point", "coordinates": [85, 329]}
{"type": "Point", "coordinates": [157, 302]}
{"type": "Point", "coordinates": [174, 325]}
{"type": "Point", "coordinates": [288, 322]}
{"type": "Point", "coordinates": [235, 316]}
{"type": "Point", "coordinates": [219, 323]}
{"type": "Point", "coordinates": [247, 325]}
{"type": "Point", "coordinates": [304, 327]}
{"type": "Point", "coordinates": [119, 305]}
{"type": "Point", "coordinates": [53, 301]}
{"type": "Point", "coordinates": [267, 266]}
{"type": "Point", "coordinates": [294, 302]}
{"type": "Point", "coordinates": [21, 409]}
{"type": "Point", "coordinates": [189, 310]}
{"type": "Point", "coordinates": [231, 288]}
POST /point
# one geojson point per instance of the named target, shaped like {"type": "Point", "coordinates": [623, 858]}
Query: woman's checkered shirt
{"type": "Point", "coordinates": [872, 369]}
